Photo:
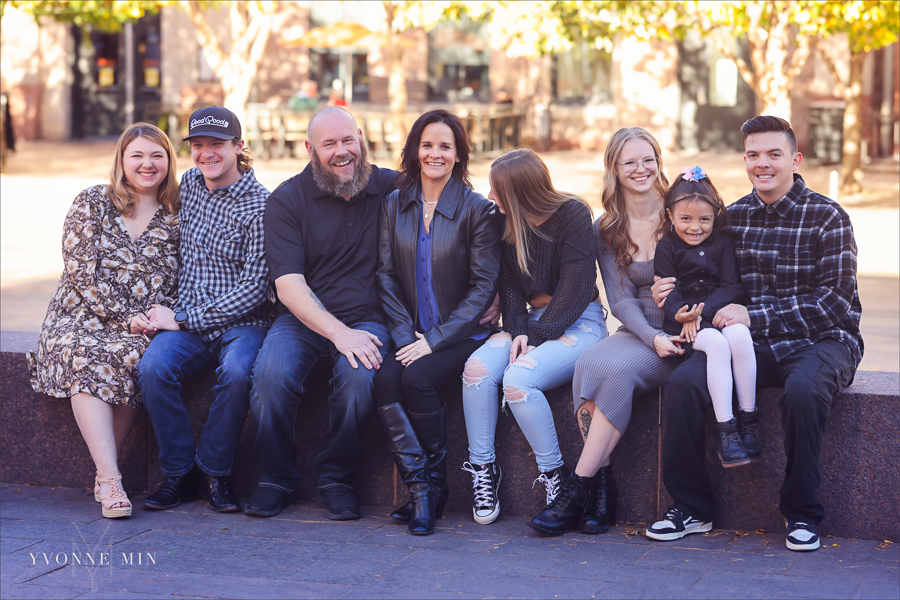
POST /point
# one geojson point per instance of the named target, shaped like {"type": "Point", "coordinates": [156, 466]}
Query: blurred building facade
{"type": "Point", "coordinates": [66, 83]}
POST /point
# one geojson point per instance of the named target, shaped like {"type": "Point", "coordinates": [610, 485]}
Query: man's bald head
{"type": "Point", "coordinates": [326, 119]}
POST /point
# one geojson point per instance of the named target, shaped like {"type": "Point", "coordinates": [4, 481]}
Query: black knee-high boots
{"type": "Point", "coordinates": [412, 463]}
{"type": "Point", "coordinates": [431, 429]}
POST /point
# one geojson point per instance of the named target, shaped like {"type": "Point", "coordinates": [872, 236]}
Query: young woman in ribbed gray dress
{"type": "Point", "coordinates": [640, 355]}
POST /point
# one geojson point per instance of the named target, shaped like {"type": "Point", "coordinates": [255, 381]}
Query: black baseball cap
{"type": "Point", "coordinates": [214, 121]}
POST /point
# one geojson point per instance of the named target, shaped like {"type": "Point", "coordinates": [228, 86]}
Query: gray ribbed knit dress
{"type": "Point", "coordinates": [611, 371]}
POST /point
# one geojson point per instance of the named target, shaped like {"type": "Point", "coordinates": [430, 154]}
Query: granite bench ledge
{"type": "Point", "coordinates": [41, 444]}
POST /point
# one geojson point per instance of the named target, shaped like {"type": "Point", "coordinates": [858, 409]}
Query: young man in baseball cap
{"type": "Point", "coordinates": [221, 318]}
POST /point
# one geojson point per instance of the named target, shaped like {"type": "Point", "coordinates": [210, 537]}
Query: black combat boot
{"type": "Point", "coordinates": [731, 450]}
{"type": "Point", "coordinates": [748, 429]}
{"type": "Point", "coordinates": [601, 514]}
{"type": "Point", "coordinates": [564, 512]}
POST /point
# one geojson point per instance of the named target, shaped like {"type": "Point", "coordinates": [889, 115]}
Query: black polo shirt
{"type": "Point", "coordinates": [331, 241]}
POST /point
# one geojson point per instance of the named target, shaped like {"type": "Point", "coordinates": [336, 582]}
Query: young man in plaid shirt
{"type": "Point", "coordinates": [221, 318]}
{"type": "Point", "coordinates": [796, 256]}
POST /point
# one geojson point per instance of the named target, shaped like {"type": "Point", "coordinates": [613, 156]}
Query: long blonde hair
{"type": "Point", "coordinates": [613, 225]}
{"type": "Point", "coordinates": [121, 192]}
{"type": "Point", "coordinates": [521, 183]}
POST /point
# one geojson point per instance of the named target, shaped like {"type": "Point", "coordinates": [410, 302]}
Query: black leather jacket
{"type": "Point", "coordinates": [465, 262]}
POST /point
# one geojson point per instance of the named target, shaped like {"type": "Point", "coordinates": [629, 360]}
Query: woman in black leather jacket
{"type": "Point", "coordinates": [438, 265]}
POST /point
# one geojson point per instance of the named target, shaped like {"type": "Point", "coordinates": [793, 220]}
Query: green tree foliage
{"type": "Point", "coordinates": [102, 14]}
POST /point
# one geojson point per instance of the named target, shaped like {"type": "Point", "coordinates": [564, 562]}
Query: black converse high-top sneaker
{"type": "Point", "coordinates": [486, 483]}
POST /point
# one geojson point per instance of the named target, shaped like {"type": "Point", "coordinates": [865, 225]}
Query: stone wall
{"type": "Point", "coordinates": [41, 444]}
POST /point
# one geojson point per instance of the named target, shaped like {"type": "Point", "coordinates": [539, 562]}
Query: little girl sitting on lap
{"type": "Point", "coordinates": [699, 253]}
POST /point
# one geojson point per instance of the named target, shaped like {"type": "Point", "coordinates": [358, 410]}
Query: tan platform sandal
{"type": "Point", "coordinates": [96, 488]}
{"type": "Point", "coordinates": [116, 496]}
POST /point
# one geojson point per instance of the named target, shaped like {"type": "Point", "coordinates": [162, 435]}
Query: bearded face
{"type": "Point", "coordinates": [342, 171]}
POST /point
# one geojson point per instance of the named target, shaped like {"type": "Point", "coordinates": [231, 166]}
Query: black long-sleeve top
{"type": "Point", "coordinates": [704, 273]}
{"type": "Point", "coordinates": [562, 265]}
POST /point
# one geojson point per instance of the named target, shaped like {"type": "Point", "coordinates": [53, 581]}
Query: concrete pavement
{"type": "Point", "coordinates": [192, 552]}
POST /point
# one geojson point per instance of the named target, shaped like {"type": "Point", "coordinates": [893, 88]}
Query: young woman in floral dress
{"type": "Point", "coordinates": [120, 254]}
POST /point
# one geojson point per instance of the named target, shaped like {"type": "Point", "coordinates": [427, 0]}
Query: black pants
{"type": "Point", "coordinates": [416, 386]}
{"type": "Point", "coordinates": [811, 378]}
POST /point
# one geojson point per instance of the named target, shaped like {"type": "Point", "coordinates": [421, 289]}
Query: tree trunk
{"type": "Point", "coordinates": [397, 98]}
{"type": "Point", "coordinates": [397, 95]}
{"type": "Point", "coordinates": [851, 171]}
{"type": "Point", "coordinates": [236, 101]}
{"type": "Point", "coordinates": [771, 67]}
{"type": "Point", "coordinates": [236, 70]}
{"type": "Point", "coordinates": [777, 102]}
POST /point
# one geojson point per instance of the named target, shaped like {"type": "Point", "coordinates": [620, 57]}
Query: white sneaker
{"type": "Point", "coordinates": [801, 537]}
{"type": "Point", "coordinates": [486, 482]}
{"type": "Point", "coordinates": [676, 525]}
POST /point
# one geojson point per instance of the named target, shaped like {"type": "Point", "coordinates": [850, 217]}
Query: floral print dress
{"type": "Point", "coordinates": [85, 345]}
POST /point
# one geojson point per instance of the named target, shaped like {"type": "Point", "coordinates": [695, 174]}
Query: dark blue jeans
{"type": "Point", "coordinates": [290, 351]}
{"type": "Point", "coordinates": [174, 356]}
{"type": "Point", "coordinates": [811, 378]}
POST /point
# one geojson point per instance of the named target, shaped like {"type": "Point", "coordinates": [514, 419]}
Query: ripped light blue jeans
{"type": "Point", "coordinates": [549, 365]}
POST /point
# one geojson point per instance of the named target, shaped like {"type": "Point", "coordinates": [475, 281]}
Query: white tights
{"type": "Point", "coordinates": [730, 349]}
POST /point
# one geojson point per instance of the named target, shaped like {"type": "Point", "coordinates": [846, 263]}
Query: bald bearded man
{"type": "Point", "coordinates": [321, 231]}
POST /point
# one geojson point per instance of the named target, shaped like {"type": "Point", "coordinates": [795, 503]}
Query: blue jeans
{"type": "Point", "coordinates": [174, 356]}
{"type": "Point", "coordinates": [290, 351]}
{"type": "Point", "coordinates": [549, 365]}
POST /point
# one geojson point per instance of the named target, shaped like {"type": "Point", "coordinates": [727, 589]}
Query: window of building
{"type": "Point", "coordinates": [581, 75]}
{"type": "Point", "coordinates": [458, 62]}
{"type": "Point", "coordinates": [723, 80]}
{"type": "Point", "coordinates": [333, 70]}
{"type": "Point", "coordinates": [149, 55]}
{"type": "Point", "coordinates": [106, 58]}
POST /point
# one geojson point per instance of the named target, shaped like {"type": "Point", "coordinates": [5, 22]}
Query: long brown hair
{"type": "Point", "coordinates": [521, 183]}
{"type": "Point", "coordinates": [613, 225]}
{"type": "Point", "coordinates": [121, 192]}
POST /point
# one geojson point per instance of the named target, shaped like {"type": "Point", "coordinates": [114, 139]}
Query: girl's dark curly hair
{"type": "Point", "coordinates": [704, 189]}
{"type": "Point", "coordinates": [410, 170]}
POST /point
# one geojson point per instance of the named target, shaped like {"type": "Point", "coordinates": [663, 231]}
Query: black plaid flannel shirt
{"type": "Point", "coordinates": [797, 260]}
{"type": "Point", "coordinates": [224, 275]}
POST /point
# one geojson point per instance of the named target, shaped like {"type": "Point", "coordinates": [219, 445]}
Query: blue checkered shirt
{"type": "Point", "coordinates": [797, 260]}
{"type": "Point", "coordinates": [224, 275]}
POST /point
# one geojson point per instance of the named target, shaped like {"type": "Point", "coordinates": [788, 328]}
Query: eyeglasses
{"type": "Point", "coordinates": [651, 163]}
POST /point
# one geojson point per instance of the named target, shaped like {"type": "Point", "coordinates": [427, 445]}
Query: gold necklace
{"type": "Point", "coordinates": [641, 218]}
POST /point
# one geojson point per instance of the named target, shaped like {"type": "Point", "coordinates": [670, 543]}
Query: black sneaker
{"type": "Point", "coordinates": [486, 481]}
{"type": "Point", "coordinates": [267, 502]}
{"type": "Point", "coordinates": [339, 503]}
{"type": "Point", "coordinates": [801, 537]}
{"type": "Point", "coordinates": [554, 481]}
{"type": "Point", "coordinates": [676, 525]}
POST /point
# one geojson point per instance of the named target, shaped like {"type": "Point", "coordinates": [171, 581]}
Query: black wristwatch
{"type": "Point", "coordinates": [181, 319]}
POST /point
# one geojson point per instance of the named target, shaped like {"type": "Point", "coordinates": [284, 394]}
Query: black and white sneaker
{"type": "Point", "coordinates": [801, 537]}
{"type": "Point", "coordinates": [486, 482]}
{"type": "Point", "coordinates": [676, 525]}
{"type": "Point", "coordinates": [554, 481]}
